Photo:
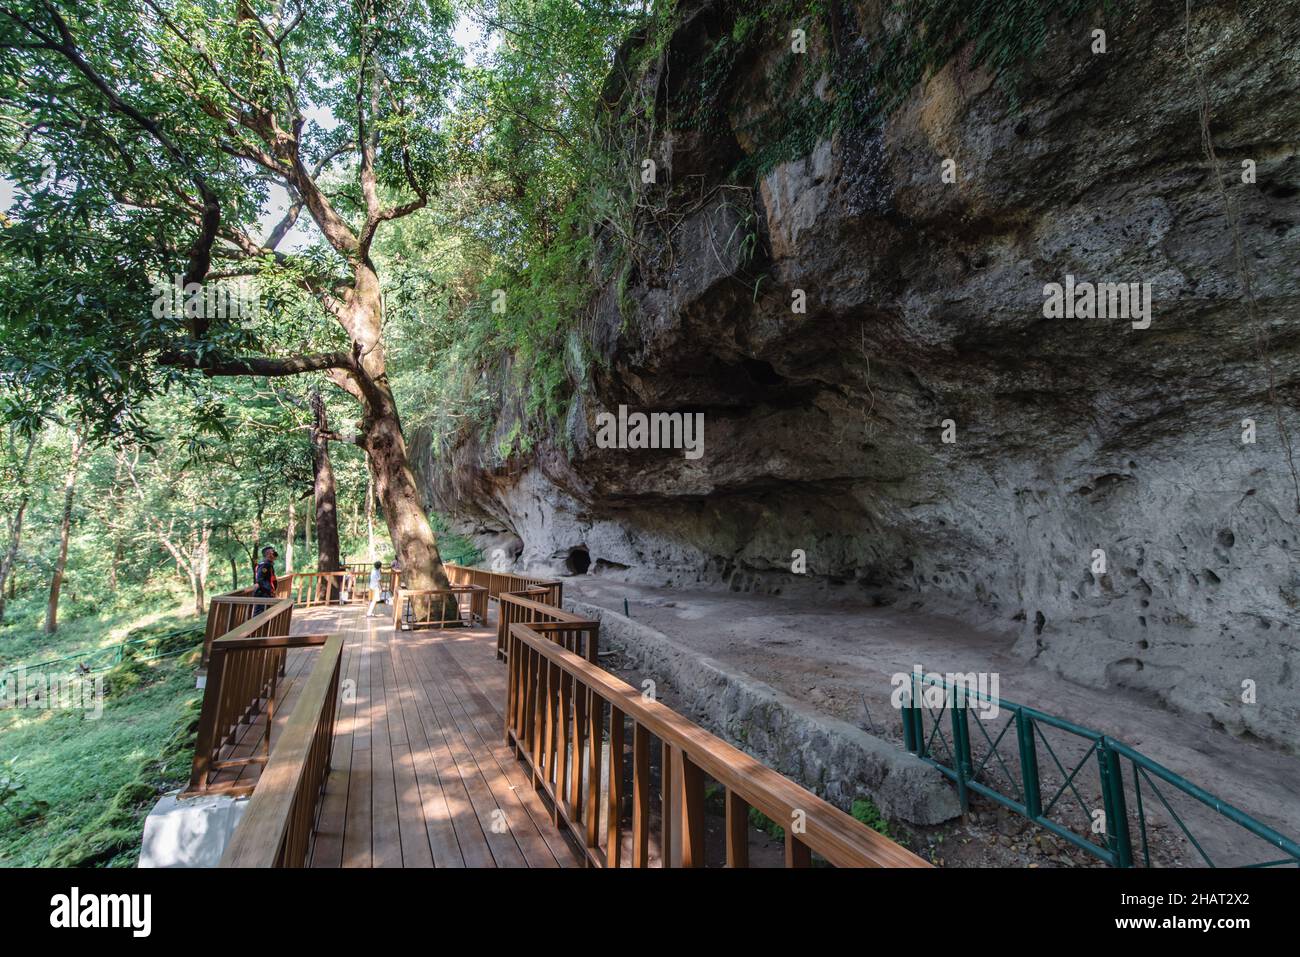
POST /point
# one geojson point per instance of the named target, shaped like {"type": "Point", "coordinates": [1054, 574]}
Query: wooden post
{"type": "Point", "coordinates": [737, 830]}
{"type": "Point", "coordinates": [688, 805]}
{"type": "Point", "coordinates": [614, 835]}
{"type": "Point", "coordinates": [640, 796]}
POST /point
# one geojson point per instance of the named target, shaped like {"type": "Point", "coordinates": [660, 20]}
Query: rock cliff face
{"type": "Point", "coordinates": [1096, 499]}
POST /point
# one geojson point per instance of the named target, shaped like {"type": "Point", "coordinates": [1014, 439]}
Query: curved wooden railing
{"type": "Point", "coordinates": [556, 721]}
{"type": "Point", "coordinates": [575, 633]}
{"type": "Point", "coordinates": [244, 668]}
{"type": "Point", "coordinates": [497, 583]}
{"type": "Point", "coordinates": [278, 827]}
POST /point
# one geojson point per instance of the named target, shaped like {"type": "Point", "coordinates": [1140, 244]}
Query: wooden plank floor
{"type": "Point", "coordinates": [421, 776]}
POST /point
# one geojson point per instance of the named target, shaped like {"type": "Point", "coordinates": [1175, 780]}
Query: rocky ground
{"type": "Point", "coordinates": [839, 657]}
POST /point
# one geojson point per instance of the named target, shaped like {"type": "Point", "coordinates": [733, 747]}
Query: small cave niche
{"type": "Point", "coordinates": [762, 373]}
{"type": "Point", "coordinates": [578, 560]}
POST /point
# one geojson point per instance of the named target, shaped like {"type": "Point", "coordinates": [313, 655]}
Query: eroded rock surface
{"type": "Point", "coordinates": [824, 430]}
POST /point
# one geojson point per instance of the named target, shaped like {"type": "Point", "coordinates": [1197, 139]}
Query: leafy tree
{"type": "Point", "coordinates": [146, 137]}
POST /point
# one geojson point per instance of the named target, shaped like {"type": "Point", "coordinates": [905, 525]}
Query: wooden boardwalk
{"type": "Point", "coordinates": [421, 776]}
{"type": "Point", "coordinates": [389, 749]}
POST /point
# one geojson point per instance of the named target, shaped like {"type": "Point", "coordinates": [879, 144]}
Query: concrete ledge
{"type": "Point", "coordinates": [189, 833]}
{"type": "Point", "coordinates": [828, 756]}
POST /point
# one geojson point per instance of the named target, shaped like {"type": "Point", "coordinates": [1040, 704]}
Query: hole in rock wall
{"type": "Point", "coordinates": [579, 560]}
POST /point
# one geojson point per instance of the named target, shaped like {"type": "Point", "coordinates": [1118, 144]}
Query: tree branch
{"type": "Point", "coordinates": [212, 364]}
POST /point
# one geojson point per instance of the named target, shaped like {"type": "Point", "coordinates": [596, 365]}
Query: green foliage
{"type": "Point", "coordinates": [454, 547]}
{"type": "Point", "coordinates": [125, 676]}
{"type": "Point", "coordinates": [514, 234]}
{"type": "Point", "coordinates": [762, 822]}
{"type": "Point", "coordinates": [96, 779]}
{"type": "Point", "coordinates": [112, 837]}
{"type": "Point", "coordinates": [865, 811]}
{"type": "Point", "coordinates": [14, 801]}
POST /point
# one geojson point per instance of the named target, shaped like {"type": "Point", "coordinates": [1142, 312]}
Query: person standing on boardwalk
{"type": "Point", "coordinates": [264, 578]}
{"type": "Point", "coordinates": [376, 579]}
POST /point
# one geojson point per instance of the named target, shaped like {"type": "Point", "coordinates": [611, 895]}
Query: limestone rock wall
{"type": "Point", "coordinates": [824, 429]}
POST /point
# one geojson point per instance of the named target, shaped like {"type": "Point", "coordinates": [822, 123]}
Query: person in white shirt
{"type": "Point", "coordinates": [375, 579]}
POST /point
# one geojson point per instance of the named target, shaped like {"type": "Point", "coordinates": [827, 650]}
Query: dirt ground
{"type": "Point", "coordinates": [839, 658]}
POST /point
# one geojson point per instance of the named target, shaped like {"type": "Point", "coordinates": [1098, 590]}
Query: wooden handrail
{"type": "Point", "coordinates": [277, 829]}
{"type": "Point", "coordinates": [500, 582]}
{"type": "Point", "coordinates": [224, 613]}
{"type": "Point", "coordinates": [244, 667]}
{"type": "Point", "coordinates": [515, 607]}
{"type": "Point", "coordinates": [270, 641]}
{"type": "Point", "coordinates": [555, 711]}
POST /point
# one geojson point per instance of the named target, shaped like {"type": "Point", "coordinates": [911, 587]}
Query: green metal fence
{"type": "Point", "coordinates": [104, 659]}
{"type": "Point", "coordinates": [1040, 775]}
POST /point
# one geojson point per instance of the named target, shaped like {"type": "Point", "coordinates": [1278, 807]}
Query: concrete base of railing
{"type": "Point", "coordinates": [192, 832]}
{"type": "Point", "coordinates": [824, 754]}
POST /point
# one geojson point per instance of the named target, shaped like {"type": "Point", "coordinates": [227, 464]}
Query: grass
{"type": "Point", "coordinates": [75, 789]}
{"type": "Point", "coordinates": [83, 626]}
{"type": "Point", "coordinates": [865, 811]}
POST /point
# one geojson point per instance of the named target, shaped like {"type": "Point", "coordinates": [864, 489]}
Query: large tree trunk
{"type": "Point", "coordinates": [65, 529]}
{"type": "Point", "coordinates": [381, 437]}
{"type": "Point", "coordinates": [327, 519]}
{"type": "Point", "coordinates": [408, 524]}
{"type": "Point", "coordinates": [370, 514]}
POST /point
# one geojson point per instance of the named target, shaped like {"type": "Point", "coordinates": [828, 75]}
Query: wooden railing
{"type": "Point", "coordinates": [438, 608]}
{"type": "Point", "coordinates": [278, 827]}
{"type": "Point", "coordinates": [497, 583]}
{"type": "Point", "coordinates": [576, 633]}
{"type": "Point", "coordinates": [226, 613]}
{"type": "Point", "coordinates": [361, 573]}
{"type": "Point", "coordinates": [556, 706]}
{"type": "Point", "coordinates": [310, 589]}
{"type": "Point", "coordinates": [244, 668]}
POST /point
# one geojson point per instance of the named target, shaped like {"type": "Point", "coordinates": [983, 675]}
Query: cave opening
{"type": "Point", "coordinates": [579, 560]}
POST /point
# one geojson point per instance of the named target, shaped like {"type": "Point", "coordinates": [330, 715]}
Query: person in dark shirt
{"type": "Point", "coordinates": [264, 576]}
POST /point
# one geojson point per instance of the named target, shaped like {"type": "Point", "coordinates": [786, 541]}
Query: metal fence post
{"type": "Point", "coordinates": [961, 746]}
{"type": "Point", "coordinates": [1029, 765]}
{"type": "Point", "coordinates": [911, 740]}
{"type": "Point", "coordinates": [1112, 789]}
